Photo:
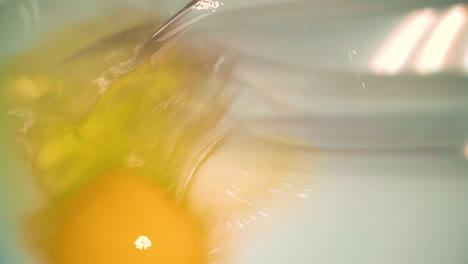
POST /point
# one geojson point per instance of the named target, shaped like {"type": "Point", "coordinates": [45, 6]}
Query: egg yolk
{"type": "Point", "coordinates": [101, 222]}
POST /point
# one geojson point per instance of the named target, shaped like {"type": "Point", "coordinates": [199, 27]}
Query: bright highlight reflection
{"type": "Point", "coordinates": [441, 39]}
{"type": "Point", "coordinates": [465, 61]}
{"type": "Point", "coordinates": [394, 56]}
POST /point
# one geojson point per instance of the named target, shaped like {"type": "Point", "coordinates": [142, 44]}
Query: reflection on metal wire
{"type": "Point", "coordinates": [441, 39]}
{"type": "Point", "coordinates": [465, 61]}
{"type": "Point", "coordinates": [207, 4]}
{"type": "Point", "coordinates": [394, 56]}
{"type": "Point", "coordinates": [465, 150]}
{"type": "Point", "coordinates": [411, 36]}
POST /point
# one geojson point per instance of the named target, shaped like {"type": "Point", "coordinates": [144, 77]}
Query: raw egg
{"type": "Point", "coordinates": [106, 220]}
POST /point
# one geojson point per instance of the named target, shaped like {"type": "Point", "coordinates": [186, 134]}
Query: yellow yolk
{"type": "Point", "coordinates": [101, 222]}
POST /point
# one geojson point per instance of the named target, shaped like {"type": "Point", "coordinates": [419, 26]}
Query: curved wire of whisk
{"type": "Point", "coordinates": [177, 23]}
{"type": "Point", "coordinates": [179, 14]}
{"type": "Point", "coordinates": [186, 17]}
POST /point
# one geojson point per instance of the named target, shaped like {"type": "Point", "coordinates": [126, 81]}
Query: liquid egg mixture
{"type": "Point", "coordinates": [137, 161]}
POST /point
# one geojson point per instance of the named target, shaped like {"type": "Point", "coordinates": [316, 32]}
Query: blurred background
{"type": "Point", "coordinates": [375, 91]}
